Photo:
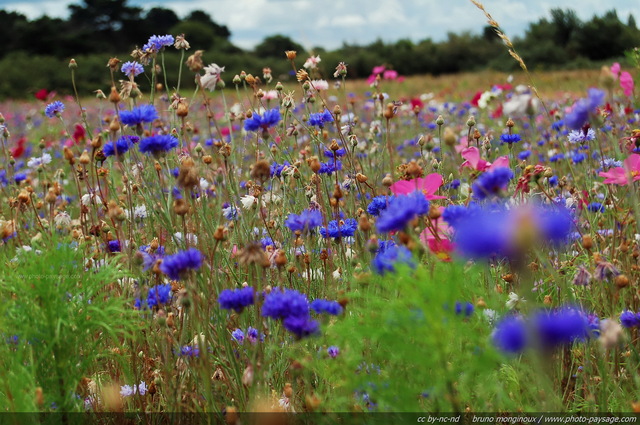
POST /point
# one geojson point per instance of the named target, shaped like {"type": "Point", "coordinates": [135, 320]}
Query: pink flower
{"type": "Point", "coordinates": [378, 69]}
{"type": "Point", "coordinates": [624, 175]}
{"type": "Point", "coordinates": [464, 143]}
{"type": "Point", "coordinates": [429, 185]}
{"type": "Point", "coordinates": [437, 239]}
{"type": "Point", "coordinates": [390, 74]}
{"type": "Point", "coordinates": [473, 160]}
{"type": "Point", "coordinates": [626, 82]}
{"type": "Point", "coordinates": [615, 69]}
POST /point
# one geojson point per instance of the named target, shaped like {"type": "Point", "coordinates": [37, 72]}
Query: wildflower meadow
{"type": "Point", "coordinates": [320, 245]}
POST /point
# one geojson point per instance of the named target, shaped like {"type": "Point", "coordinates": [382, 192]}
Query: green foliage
{"type": "Point", "coordinates": [409, 349]}
{"type": "Point", "coordinates": [60, 323]}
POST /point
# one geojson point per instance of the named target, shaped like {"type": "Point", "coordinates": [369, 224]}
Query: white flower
{"type": "Point", "coordinates": [211, 76]}
{"type": "Point", "coordinates": [270, 95]}
{"type": "Point", "coordinates": [514, 300]}
{"type": "Point", "coordinates": [204, 184]}
{"type": "Point", "coordinates": [191, 238]}
{"type": "Point", "coordinates": [62, 220]}
{"type": "Point", "coordinates": [490, 315]}
{"type": "Point", "coordinates": [319, 85]}
{"type": "Point", "coordinates": [312, 62]}
{"type": "Point", "coordinates": [337, 273]}
{"type": "Point", "coordinates": [248, 201]}
{"type": "Point", "coordinates": [140, 212]}
{"type": "Point", "coordinates": [316, 274]}
{"type": "Point", "coordinates": [37, 161]}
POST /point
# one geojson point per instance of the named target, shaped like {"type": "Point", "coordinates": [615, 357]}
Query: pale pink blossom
{"type": "Point", "coordinates": [428, 185]}
{"type": "Point", "coordinates": [312, 62]}
{"type": "Point", "coordinates": [615, 69]}
{"type": "Point", "coordinates": [378, 69]}
{"type": "Point", "coordinates": [630, 172]}
{"type": "Point", "coordinates": [320, 85]}
{"type": "Point", "coordinates": [390, 74]}
{"type": "Point", "coordinates": [437, 238]}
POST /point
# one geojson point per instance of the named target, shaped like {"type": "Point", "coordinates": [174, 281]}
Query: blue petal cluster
{"type": "Point", "coordinates": [510, 139]}
{"type": "Point", "coordinates": [402, 209]}
{"type": "Point", "coordinates": [629, 319]}
{"type": "Point", "coordinates": [319, 119]}
{"type": "Point", "coordinates": [158, 144]}
{"type": "Point", "coordinates": [579, 115]}
{"type": "Point", "coordinates": [132, 69]}
{"type": "Point", "coordinates": [305, 221]}
{"type": "Point", "coordinates": [330, 167]}
{"type": "Point", "coordinates": [510, 335]}
{"type": "Point", "coordinates": [122, 145]}
{"type": "Point", "coordinates": [326, 306]}
{"type": "Point", "coordinates": [54, 109]}
{"type": "Point", "coordinates": [388, 255]}
{"type": "Point", "coordinates": [176, 265]}
{"type": "Point", "coordinates": [293, 308]}
{"type": "Point", "coordinates": [157, 42]}
{"type": "Point", "coordinates": [139, 114]}
{"type": "Point", "coordinates": [340, 229]}
{"type": "Point", "coordinates": [236, 299]}
{"type": "Point", "coordinates": [492, 183]}
{"type": "Point", "coordinates": [159, 295]}
{"type": "Point", "coordinates": [378, 204]}
{"type": "Point", "coordinates": [269, 119]}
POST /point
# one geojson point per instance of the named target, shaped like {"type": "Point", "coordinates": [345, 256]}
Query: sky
{"type": "Point", "coordinates": [329, 23]}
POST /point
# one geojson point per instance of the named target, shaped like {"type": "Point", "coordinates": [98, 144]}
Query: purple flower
{"type": "Point", "coordinates": [319, 119]}
{"type": "Point", "coordinates": [158, 144]}
{"type": "Point", "coordinates": [388, 255]}
{"type": "Point", "coordinates": [238, 335]}
{"type": "Point", "coordinates": [629, 319]}
{"type": "Point", "coordinates": [282, 304]}
{"type": "Point", "coordinates": [159, 295]}
{"type": "Point", "coordinates": [132, 69]}
{"type": "Point", "coordinates": [301, 326]}
{"type": "Point", "coordinates": [54, 109]}
{"type": "Point", "coordinates": [325, 306]}
{"type": "Point", "coordinates": [333, 351]}
{"type": "Point", "coordinates": [402, 209]}
{"type": "Point", "coordinates": [492, 183]}
{"type": "Point", "coordinates": [510, 335]}
{"type": "Point", "coordinates": [269, 119]}
{"type": "Point", "coordinates": [176, 265]}
{"type": "Point", "coordinates": [305, 221]}
{"type": "Point", "coordinates": [579, 115]}
{"type": "Point", "coordinates": [237, 299]}
{"type": "Point", "coordinates": [561, 326]}
{"type": "Point", "coordinates": [157, 42]}
{"type": "Point", "coordinates": [122, 145]}
{"type": "Point", "coordinates": [510, 139]}
{"type": "Point", "coordinates": [340, 229]}
{"type": "Point", "coordinates": [138, 115]}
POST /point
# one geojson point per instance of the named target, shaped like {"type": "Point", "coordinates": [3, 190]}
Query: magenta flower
{"type": "Point", "coordinates": [624, 175]}
{"type": "Point", "coordinates": [626, 82]}
{"type": "Point", "coordinates": [473, 160]}
{"type": "Point", "coordinates": [428, 185]}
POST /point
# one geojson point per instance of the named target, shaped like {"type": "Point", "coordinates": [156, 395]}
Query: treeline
{"type": "Point", "coordinates": [35, 52]}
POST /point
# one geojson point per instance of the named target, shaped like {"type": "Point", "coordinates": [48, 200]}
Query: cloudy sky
{"type": "Point", "coordinates": [329, 23]}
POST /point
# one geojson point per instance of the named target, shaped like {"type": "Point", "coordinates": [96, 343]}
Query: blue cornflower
{"type": "Point", "coordinates": [335, 154]}
{"type": "Point", "coordinates": [401, 211]}
{"type": "Point", "coordinates": [510, 335]}
{"type": "Point", "coordinates": [236, 299]}
{"type": "Point", "coordinates": [555, 224]}
{"type": "Point", "coordinates": [595, 207]}
{"type": "Point", "coordinates": [337, 230]}
{"type": "Point", "coordinates": [158, 144]}
{"type": "Point", "coordinates": [325, 306]}
{"type": "Point", "coordinates": [139, 114]}
{"type": "Point", "coordinates": [561, 326]}
{"type": "Point", "coordinates": [580, 136]}
{"type": "Point", "coordinates": [319, 119]}
{"type": "Point", "coordinates": [378, 204]}
{"type": "Point", "coordinates": [238, 335]}
{"type": "Point", "coordinates": [276, 169]}
{"type": "Point", "coordinates": [114, 246]}
{"type": "Point", "coordinates": [629, 319]}
{"type": "Point", "coordinates": [159, 295]}
{"type": "Point", "coordinates": [54, 109]}
{"type": "Point", "coordinates": [388, 255]}
{"type": "Point", "coordinates": [510, 138]}
{"type": "Point", "coordinates": [454, 214]}
{"type": "Point", "coordinates": [123, 144]}
{"type": "Point", "coordinates": [553, 181]}
{"type": "Point", "coordinates": [330, 167]}
{"type": "Point", "coordinates": [269, 119]}
{"type": "Point", "coordinates": [132, 69]}
{"type": "Point", "coordinates": [176, 265]}
{"type": "Point", "coordinates": [333, 351]}
{"type": "Point", "coordinates": [189, 351]}
{"type": "Point", "coordinates": [157, 42]}
{"type": "Point", "coordinates": [149, 257]}
{"type": "Point", "coordinates": [492, 183]}
{"type": "Point", "coordinates": [453, 185]}
{"type": "Point", "coordinates": [305, 221]}
{"type": "Point", "coordinates": [282, 304]}
{"type": "Point", "coordinates": [252, 335]}
{"type": "Point", "coordinates": [578, 158]}
{"type": "Point", "coordinates": [301, 326]}
{"type": "Point", "coordinates": [579, 115]}
{"type": "Point", "coordinates": [18, 177]}
{"type": "Point", "coordinates": [466, 308]}
{"type": "Point", "coordinates": [524, 155]}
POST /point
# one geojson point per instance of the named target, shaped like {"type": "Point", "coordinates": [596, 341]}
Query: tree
{"type": "Point", "coordinates": [203, 17]}
{"type": "Point", "coordinates": [160, 20]}
{"type": "Point", "coordinates": [275, 46]}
